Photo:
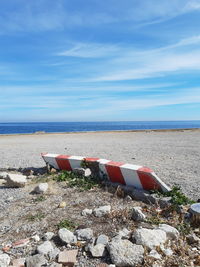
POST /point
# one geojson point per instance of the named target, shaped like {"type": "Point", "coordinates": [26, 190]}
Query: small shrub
{"type": "Point", "coordinates": [66, 224]}
{"type": "Point", "coordinates": [184, 228]}
{"type": "Point", "coordinates": [76, 180]}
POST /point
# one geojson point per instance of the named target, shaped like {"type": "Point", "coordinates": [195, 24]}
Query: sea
{"type": "Point", "coordinates": [58, 127]}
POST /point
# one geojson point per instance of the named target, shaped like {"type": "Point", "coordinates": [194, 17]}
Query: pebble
{"type": "Point", "coordinates": [84, 234]}
{"type": "Point", "coordinates": [101, 211]}
{"type": "Point", "coordinates": [41, 188]}
{"type": "Point", "coordinates": [48, 236]}
{"type": "Point", "coordinates": [86, 212]}
{"type": "Point", "coordinates": [45, 248]}
{"type": "Point", "coordinates": [138, 215]}
{"type": "Point", "coordinates": [67, 236]}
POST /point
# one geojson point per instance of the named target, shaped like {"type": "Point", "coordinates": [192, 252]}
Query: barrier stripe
{"type": "Point", "coordinates": [63, 162]}
{"type": "Point", "coordinates": [114, 172]}
{"type": "Point", "coordinates": [127, 174]}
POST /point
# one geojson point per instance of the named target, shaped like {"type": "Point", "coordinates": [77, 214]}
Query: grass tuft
{"type": "Point", "coordinates": [66, 224]}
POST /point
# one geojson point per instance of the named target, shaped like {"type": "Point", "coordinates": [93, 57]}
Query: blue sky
{"type": "Point", "coordinates": [75, 60]}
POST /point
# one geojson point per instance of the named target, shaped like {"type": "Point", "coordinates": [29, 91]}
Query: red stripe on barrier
{"type": "Point", "coordinates": [91, 159]}
{"type": "Point", "coordinates": [114, 172]}
{"type": "Point", "coordinates": [63, 162]}
{"type": "Point", "coordinates": [147, 181]}
{"type": "Point", "coordinates": [145, 169]}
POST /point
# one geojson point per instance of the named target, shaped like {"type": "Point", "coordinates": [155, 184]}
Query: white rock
{"type": "Point", "coordinates": [4, 260]}
{"type": "Point", "coordinates": [41, 188]}
{"type": "Point", "coordinates": [172, 233]}
{"type": "Point", "coordinates": [37, 260]}
{"type": "Point", "coordinates": [84, 234]}
{"type": "Point", "coordinates": [149, 238]}
{"type": "Point", "coordinates": [101, 211]}
{"type": "Point", "coordinates": [138, 215]}
{"type": "Point", "coordinates": [102, 239]}
{"type": "Point", "coordinates": [82, 171]}
{"type": "Point", "coordinates": [66, 236]}
{"type": "Point", "coordinates": [48, 236]}
{"type": "Point", "coordinates": [124, 233]}
{"type": "Point", "coordinates": [36, 238]}
{"type": "Point", "coordinates": [98, 250]}
{"type": "Point", "coordinates": [86, 212]}
{"type": "Point", "coordinates": [53, 253]}
{"type": "Point", "coordinates": [15, 180]}
{"type": "Point", "coordinates": [45, 248]}
{"type": "Point", "coordinates": [167, 252]}
{"type": "Point", "coordinates": [3, 175]}
{"type": "Point", "coordinates": [125, 253]}
{"type": "Point", "coordinates": [154, 254]}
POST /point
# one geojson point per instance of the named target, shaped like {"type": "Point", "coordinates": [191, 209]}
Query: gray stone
{"type": "Point", "coordinates": [84, 234]}
{"type": "Point", "coordinates": [172, 233]}
{"type": "Point", "coordinates": [154, 254]}
{"type": "Point", "coordinates": [41, 188]}
{"type": "Point", "coordinates": [53, 253]}
{"type": "Point", "coordinates": [37, 260]}
{"type": "Point", "coordinates": [149, 238]}
{"type": "Point", "coordinates": [125, 253]}
{"type": "Point", "coordinates": [98, 250]}
{"type": "Point", "coordinates": [86, 212]}
{"type": "Point", "coordinates": [45, 248]}
{"type": "Point", "coordinates": [15, 180]}
{"type": "Point", "coordinates": [4, 260]}
{"type": "Point", "coordinates": [101, 211]}
{"type": "Point", "coordinates": [138, 215]}
{"type": "Point", "coordinates": [48, 236]}
{"type": "Point", "coordinates": [102, 239]}
{"type": "Point", "coordinates": [124, 233]}
{"type": "Point", "coordinates": [66, 236]}
{"type": "Point", "coordinates": [167, 251]}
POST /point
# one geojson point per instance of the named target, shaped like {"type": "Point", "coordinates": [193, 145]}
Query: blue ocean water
{"type": "Point", "coordinates": [54, 127]}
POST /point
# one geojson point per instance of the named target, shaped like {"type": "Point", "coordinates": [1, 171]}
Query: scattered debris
{"type": "Point", "coordinates": [15, 180]}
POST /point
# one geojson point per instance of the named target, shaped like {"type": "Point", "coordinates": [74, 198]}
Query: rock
{"type": "Point", "coordinates": [41, 188]}
{"type": "Point", "coordinates": [53, 253]}
{"type": "Point", "coordinates": [36, 238]}
{"type": "Point", "coordinates": [37, 260]}
{"type": "Point", "coordinates": [66, 236]}
{"type": "Point", "coordinates": [98, 250]}
{"type": "Point", "coordinates": [167, 251]}
{"type": "Point", "coordinates": [192, 239]}
{"type": "Point", "coordinates": [82, 171]}
{"type": "Point", "coordinates": [68, 257]}
{"type": "Point", "coordinates": [15, 180]}
{"type": "Point", "coordinates": [154, 254]}
{"type": "Point", "coordinates": [62, 204]}
{"type": "Point", "coordinates": [4, 260]}
{"type": "Point", "coordinates": [3, 175]}
{"type": "Point", "coordinates": [172, 233]}
{"type": "Point", "coordinates": [149, 238]}
{"type": "Point", "coordinates": [102, 239]}
{"type": "Point", "coordinates": [45, 248]}
{"type": "Point", "coordinates": [124, 233]}
{"type": "Point", "coordinates": [125, 253]}
{"type": "Point", "coordinates": [48, 236]}
{"type": "Point", "coordinates": [18, 262]}
{"type": "Point", "coordinates": [84, 234]}
{"type": "Point", "coordinates": [164, 202]}
{"type": "Point", "coordinates": [101, 211]}
{"type": "Point", "coordinates": [138, 215]}
{"type": "Point", "coordinates": [86, 212]}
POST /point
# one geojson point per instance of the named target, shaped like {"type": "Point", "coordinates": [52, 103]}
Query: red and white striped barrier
{"type": "Point", "coordinates": [117, 172]}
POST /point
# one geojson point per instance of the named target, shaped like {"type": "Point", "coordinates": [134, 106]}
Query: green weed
{"type": "Point", "coordinates": [36, 217]}
{"type": "Point", "coordinates": [39, 199]}
{"type": "Point", "coordinates": [66, 224]}
{"type": "Point", "coordinates": [76, 180]}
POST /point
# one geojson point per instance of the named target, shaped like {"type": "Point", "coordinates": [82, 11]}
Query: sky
{"type": "Point", "coordinates": [92, 60]}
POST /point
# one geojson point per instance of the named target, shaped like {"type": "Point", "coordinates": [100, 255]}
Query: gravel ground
{"type": "Point", "coordinates": [173, 155]}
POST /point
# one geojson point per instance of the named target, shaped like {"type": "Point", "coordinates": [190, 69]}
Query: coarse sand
{"type": "Point", "coordinates": [173, 155]}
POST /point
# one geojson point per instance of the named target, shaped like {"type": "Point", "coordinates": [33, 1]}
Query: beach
{"type": "Point", "coordinates": [173, 155]}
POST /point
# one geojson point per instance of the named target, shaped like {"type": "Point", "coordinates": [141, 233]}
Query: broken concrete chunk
{"type": "Point", "coordinates": [149, 238]}
{"type": "Point", "coordinates": [15, 180]}
{"type": "Point", "coordinates": [84, 234]}
{"type": "Point", "coordinates": [102, 239]}
{"type": "Point", "coordinates": [171, 232]}
{"type": "Point", "coordinates": [68, 257]}
{"type": "Point", "coordinates": [37, 260]}
{"type": "Point", "coordinates": [98, 250]}
{"type": "Point", "coordinates": [45, 248]}
{"type": "Point", "coordinates": [138, 215]}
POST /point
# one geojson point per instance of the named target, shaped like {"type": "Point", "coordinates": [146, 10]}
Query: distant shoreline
{"type": "Point", "coordinates": [108, 131]}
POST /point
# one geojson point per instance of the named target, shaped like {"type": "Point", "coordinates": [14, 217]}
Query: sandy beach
{"type": "Point", "coordinates": [173, 155]}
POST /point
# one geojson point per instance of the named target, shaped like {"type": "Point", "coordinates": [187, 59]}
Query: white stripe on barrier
{"type": "Point", "coordinates": [51, 159]}
{"type": "Point", "coordinates": [75, 161]}
{"type": "Point", "coordinates": [130, 175]}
